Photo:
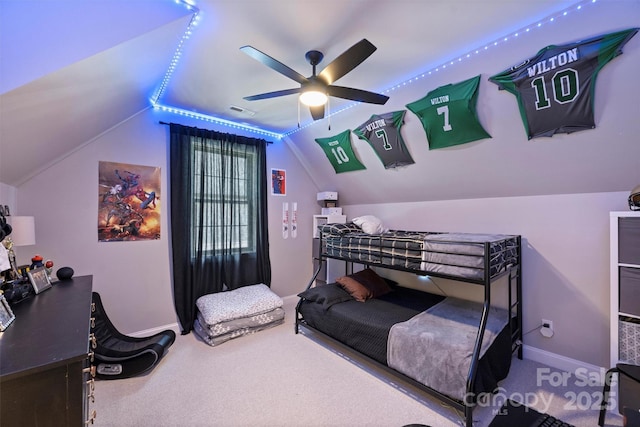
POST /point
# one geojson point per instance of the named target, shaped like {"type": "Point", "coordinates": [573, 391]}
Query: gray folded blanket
{"type": "Point", "coordinates": [222, 332]}
{"type": "Point", "coordinates": [435, 347]}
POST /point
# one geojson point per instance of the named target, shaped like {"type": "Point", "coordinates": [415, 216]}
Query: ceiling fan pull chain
{"type": "Point", "coordinates": [328, 111]}
{"type": "Point", "coordinates": [298, 113]}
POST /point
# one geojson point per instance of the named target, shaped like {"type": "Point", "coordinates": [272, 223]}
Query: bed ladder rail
{"type": "Point", "coordinates": [469, 398]}
{"type": "Point", "coordinates": [516, 338]}
{"type": "Point", "coordinates": [321, 260]}
{"type": "Point", "coordinates": [515, 274]}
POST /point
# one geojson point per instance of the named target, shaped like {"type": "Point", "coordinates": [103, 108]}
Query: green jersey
{"type": "Point", "coordinates": [339, 152]}
{"type": "Point", "coordinates": [448, 114]}
{"type": "Point", "coordinates": [382, 132]}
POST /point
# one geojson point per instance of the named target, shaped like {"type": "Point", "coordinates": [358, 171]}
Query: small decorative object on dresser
{"type": "Point", "coordinates": [6, 314]}
{"type": "Point", "coordinates": [65, 273]}
{"type": "Point", "coordinates": [39, 279]}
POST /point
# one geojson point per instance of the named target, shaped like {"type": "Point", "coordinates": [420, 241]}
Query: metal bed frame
{"type": "Point", "coordinates": [514, 273]}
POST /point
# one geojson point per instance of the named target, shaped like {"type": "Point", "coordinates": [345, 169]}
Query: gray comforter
{"type": "Point", "coordinates": [435, 347]}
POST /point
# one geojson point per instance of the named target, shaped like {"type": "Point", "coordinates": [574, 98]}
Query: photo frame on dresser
{"type": "Point", "coordinates": [39, 279]}
{"type": "Point", "coordinates": [6, 314]}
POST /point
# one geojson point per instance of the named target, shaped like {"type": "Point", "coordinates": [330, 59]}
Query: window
{"type": "Point", "coordinates": [224, 187]}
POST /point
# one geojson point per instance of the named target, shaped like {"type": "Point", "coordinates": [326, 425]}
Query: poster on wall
{"type": "Point", "coordinates": [128, 202]}
{"type": "Point", "coordinates": [278, 182]}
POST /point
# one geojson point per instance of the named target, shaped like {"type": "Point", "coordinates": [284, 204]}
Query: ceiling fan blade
{"type": "Point", "coordinates": [317, 112]}
{"type": "Point", "coordinates": [357, 95]}
{"type": "Point", "coordinates": [272, 94]}
{"type": "Point", "coordinates": [274, 64]}
{"type": "Point", "coordinates": [346, 62]}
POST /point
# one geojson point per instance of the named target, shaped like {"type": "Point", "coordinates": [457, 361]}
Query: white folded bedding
{"type": "Point", "coordinates": [238, 303]}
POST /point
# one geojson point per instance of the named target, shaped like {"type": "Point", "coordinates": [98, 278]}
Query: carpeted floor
{"type": "Point", "coordinates": [275, 378]}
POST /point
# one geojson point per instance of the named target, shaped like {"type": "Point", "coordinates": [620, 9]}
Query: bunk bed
{"type": "Point", "coordinates": [452, 349]}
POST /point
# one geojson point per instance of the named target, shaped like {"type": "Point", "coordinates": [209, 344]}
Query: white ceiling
{"type": "Point", "coordinates": [71, 69]}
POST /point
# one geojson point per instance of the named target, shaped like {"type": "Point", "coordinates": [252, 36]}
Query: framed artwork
{"type": "Point", "coordinates": [128, 202]}
{"type": "Point", "coordinates": [6, 314]}
{"type": "Point", "coordinates": [278, 182]}
{"type": "Point", "coordinates": [39, 279]}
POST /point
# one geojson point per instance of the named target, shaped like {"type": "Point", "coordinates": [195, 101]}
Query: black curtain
{"type": "Point", "coordinates": [219, 227]}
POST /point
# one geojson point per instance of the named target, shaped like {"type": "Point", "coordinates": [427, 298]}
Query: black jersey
{"type": "Point", "coordinates": [555, 88]}
{"type": "Point", "coordinates": [382, 132]}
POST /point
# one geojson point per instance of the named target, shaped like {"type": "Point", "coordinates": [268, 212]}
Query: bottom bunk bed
{"type": "Point", "coordinates": [424, 338]}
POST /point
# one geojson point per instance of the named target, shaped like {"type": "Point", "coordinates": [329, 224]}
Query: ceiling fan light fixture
{"type": "Point", "coordinates": [313, 98]}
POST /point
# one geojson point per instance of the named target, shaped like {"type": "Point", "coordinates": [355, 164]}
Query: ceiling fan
{"type": "Point", "coordinates": [315, 89]}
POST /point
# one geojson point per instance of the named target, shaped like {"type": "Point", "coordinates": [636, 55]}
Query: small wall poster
{"type": "Point", "coordinates": [128, 202]}
{"type": "Point", "coordinates": [278, 182]}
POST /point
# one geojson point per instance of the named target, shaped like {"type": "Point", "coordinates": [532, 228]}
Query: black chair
{"type": "Point", "coordinates": [631, 372]}
{"type": "Point", "coordinates": [119, 356]}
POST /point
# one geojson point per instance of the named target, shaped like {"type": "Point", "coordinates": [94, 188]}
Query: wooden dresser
{"type": "Point", "coordinates": [45, 375]}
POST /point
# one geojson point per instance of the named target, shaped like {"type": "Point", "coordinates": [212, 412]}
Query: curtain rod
{"type": "Point", "coordinates": [167, 124]}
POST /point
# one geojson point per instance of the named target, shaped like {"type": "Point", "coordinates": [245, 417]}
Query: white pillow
{"type": "Point", "coordinates": [369, 224]}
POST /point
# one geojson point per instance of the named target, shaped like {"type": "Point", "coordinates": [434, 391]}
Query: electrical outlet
{"type": "Point", "coordinates": [546, 330]}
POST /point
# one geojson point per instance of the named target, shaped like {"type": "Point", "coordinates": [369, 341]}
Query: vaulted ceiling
{"type": "Point", "coordinates": [70, 70]}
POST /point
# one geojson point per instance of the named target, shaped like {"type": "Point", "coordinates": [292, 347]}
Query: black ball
{"type": "Point", "coordinates": [65, 273]}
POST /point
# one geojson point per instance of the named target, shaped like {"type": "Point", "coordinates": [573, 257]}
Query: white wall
{"type": "Point", "coordinates": [134, 278]}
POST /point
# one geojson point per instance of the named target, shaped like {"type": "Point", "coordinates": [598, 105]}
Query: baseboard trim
{"type": "Point", "coordinates": [148, 332]}
{"type": "Point", "coordinates": [582, 370]}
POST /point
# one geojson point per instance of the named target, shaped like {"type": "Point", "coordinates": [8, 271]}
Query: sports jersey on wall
{"type": "Point", "coordinates": [448, 114]}
{"type": "Point", "coordinates": [555, 88]}
{"type": "Point", "coordinates": [339, 152]}
{"type": "Point", "coordinates": [382, 132]}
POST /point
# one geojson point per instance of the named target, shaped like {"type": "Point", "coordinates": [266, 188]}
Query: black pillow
{"type": "Point", "coordinates": [327, 295]}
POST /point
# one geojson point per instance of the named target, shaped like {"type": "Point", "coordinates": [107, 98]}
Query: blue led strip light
{"type": "Point", "coordinates": [194, 21]}
{"type": "Point", "coordinates": [495, 43]}
{"type": "Point", "coordinates": [212, 119]}
{"type": "Point", "coordinates": [178, 52]}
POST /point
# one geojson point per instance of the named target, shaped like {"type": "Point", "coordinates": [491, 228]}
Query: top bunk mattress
{"type": "Point", "coordinates": [458, 255]}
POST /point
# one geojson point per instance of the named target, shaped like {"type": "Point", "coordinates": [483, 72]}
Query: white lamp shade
{"type": "Point", "coordinates": [23, 231]}
{"type": "Point", "coordinates": [313, 98]}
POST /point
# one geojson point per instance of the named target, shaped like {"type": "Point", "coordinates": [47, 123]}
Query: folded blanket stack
{"type": "Point", "coordinates": [231, 314]}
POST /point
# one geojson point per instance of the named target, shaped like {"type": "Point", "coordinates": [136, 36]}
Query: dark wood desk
{"type": "Point", "coordinates": [43, 358]}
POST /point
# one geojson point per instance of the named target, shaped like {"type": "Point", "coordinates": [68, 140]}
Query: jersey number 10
{"type": "Point", "coordinates": [565, 88]}
{"type": "Point", "coordinates": [340, 155]}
